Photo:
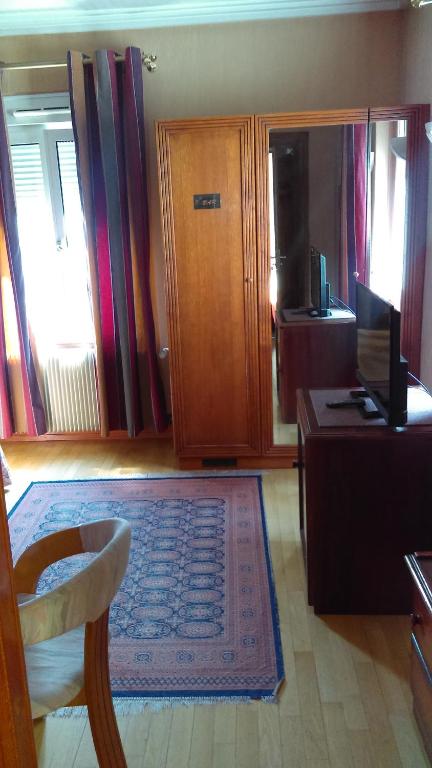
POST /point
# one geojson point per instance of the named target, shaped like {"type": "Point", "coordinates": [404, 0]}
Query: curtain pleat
{"type": "Point", "coordinates": [360, 199]}
{"type": "Point", "coordinates": [138, 202]}
{"type": "Point", "coordinates": [5, 397]}
{"type": "Point", "coordinates": [343, 252]}
{"type": "Point", "coordinates": [112, 151]}
{"type": "Point", "coordinates": [355, 201]}
{"type": "Point", "coordinates": [33, 404]}
{"type": "Point", "coordinates": [119, 211]}
{"type": "Point", "coordinates": [79, 85]}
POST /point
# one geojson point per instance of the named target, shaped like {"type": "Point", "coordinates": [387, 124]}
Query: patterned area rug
{"type": "Point", "coordinates": [196, 614]}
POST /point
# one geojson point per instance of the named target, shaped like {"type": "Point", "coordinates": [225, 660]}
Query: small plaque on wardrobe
{"type": "Point", "coordinates": [207, 201]}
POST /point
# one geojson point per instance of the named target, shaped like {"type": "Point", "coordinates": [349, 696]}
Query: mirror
{"type": "Point", "coordinates": [388, 196]}
{"type": "Point", "coordinates": [311, 180]}
{"type": "Point", "coordinates": [350, 186]}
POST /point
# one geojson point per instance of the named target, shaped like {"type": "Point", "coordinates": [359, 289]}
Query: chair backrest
{"type": "Point", "coordinates": [86, 595]}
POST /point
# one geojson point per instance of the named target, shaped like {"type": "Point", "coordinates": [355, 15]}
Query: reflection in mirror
{"type": "Point", "coordinates": [387, 194]}
{"type": "Point", "coordinates": [317, 206]}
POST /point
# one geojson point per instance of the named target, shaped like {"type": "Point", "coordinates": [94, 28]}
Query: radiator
{"type": "Point", "coordinates": [70, 390]}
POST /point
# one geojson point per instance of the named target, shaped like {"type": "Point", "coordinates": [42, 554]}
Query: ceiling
{"type": "Point", "coordinates": [20, 17]}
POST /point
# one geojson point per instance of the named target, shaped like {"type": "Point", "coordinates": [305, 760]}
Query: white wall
{"type": "Point", "coordinates": [285, 65]}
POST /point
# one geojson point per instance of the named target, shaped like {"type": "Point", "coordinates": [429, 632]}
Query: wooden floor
{"type": "Point", "coordinates": [346, 701]}
{"type": "Point", "coordinates": [283, 434]}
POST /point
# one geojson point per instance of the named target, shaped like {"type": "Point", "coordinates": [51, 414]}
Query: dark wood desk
{"type": "Point", "coordinates": [365, 502]}
{"type": "Point", "coordinates": [313, 352]}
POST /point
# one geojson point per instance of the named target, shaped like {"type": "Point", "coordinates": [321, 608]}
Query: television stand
{"type": "Point", "coordinates": [313, 352]}
{"type": "Point", "coordinates": [355, 393]}
{"type": "Point", "coordinates": [365, 501]}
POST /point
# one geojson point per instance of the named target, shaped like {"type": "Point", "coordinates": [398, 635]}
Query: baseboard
{"type": "Point", "coordinates": [285, 461]}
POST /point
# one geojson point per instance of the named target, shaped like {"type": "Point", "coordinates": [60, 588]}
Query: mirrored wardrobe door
{"type": "Point", "coordinates": [398, 192]}
{"type": "Point", "coordinates": [311, 171]}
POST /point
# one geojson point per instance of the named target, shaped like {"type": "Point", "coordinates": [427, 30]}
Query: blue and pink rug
{"type": "Point", "coordinates": [196, 615]}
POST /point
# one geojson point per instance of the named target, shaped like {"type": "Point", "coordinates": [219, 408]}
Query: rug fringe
{"type": "Point", "coordinates": [208, 471]}
{"type": "Point", "coordinates": [127, 706]}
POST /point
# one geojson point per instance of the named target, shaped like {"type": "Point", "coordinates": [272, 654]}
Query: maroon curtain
{"type": "Point", "coordinates": [353, 257]}
{"type": "Point", "coordinates": [108, 97]}
{"type": "Point", "coordinates": [33, 405]}
{"type": "Point", "coordinates": [360, 200]}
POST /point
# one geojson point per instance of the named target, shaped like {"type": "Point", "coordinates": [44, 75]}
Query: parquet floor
{"type": "Point", "coordinates": [346, 702]}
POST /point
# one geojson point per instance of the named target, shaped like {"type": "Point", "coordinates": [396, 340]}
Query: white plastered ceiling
{"type": "Point", "coordinates": [22, 17]}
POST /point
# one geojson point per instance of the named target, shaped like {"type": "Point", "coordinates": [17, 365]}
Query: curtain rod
{"type": "Point", "coordinates": [148, 59]}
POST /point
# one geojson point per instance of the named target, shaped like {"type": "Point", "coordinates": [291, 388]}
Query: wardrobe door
{"type": "Point", "coordinates": [208, 212]}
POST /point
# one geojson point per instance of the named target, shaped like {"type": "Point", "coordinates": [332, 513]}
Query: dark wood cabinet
{"type": "Point", "coordinates": [365, 502]}
{"type": "Point", "coordinates": [313, 352]}
{"type": "Point", "coordinates": [420, 568]}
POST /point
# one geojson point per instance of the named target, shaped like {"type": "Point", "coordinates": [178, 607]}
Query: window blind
{"type": "Point", "coordinates": [27, 172]}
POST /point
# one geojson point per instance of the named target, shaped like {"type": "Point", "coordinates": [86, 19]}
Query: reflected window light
{"type": "Point", "coordinates": [389, 216]}
{"type": "Point", "coordinates": [273, 266]}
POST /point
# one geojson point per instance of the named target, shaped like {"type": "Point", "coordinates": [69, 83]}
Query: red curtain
{"type": "Point", "coordinates": [108, 118]}
{"type": "Point", "coordinates": [353, 260]}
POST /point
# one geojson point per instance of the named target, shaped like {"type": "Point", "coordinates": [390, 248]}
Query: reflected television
{"type": "Point", "coordinates": [320, 288]}
{"type": "Point", "coordinates": [382, 371]}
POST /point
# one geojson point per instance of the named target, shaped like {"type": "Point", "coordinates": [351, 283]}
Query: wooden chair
{"type": "Point", "coordinates": [65, 631]}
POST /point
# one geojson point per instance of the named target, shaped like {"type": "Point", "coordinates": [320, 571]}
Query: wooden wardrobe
{"type": "Point", "coordinates": [208, 209]}
{"type": "Point", "coordinates": [215, 220]}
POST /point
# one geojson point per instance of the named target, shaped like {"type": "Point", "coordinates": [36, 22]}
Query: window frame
{"type": "Point", "coordinates": [47, 141]}
{"type": "Point", "coordinates": [30, 130]}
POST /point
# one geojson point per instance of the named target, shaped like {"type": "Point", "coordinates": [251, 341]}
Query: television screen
{"type": "Point", "coordinates": [381, 370]}
{"type": "Point", "coordinates": [373, 341]}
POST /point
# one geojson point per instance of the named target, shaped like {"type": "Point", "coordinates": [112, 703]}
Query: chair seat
{"type": "Point", "coordinates": [55, 671]}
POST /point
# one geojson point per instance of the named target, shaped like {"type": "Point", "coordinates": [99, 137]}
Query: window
{"type": "Point", "coordinates": [52, 240]}
{"type": "Point", "coordinates": [54, 258]}
{"type": "Point", "coordinates": [51, 234]}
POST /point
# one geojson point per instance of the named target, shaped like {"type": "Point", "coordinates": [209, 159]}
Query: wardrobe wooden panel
{"type": "Point", "coordinates": [211, 265]}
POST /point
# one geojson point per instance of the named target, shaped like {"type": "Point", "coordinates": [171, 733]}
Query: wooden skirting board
{"type": "Point", "coordinates": [278, 461]}
{"type": "Point", "coordinates": [115, 435]}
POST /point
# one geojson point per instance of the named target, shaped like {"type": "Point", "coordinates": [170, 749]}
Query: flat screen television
{"type": "Point", "coordinates": [320, 288]}
{"type": "Point", "coordinates": [382, 371]}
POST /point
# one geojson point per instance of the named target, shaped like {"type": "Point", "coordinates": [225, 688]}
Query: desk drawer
{"type": "Point", "coordinates": [422, 626]}
{"type": "Point", "coordinates": [421, 683]}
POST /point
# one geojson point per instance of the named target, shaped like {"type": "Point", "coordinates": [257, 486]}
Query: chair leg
{"type": "Point", "coordinates": [103, 723]}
